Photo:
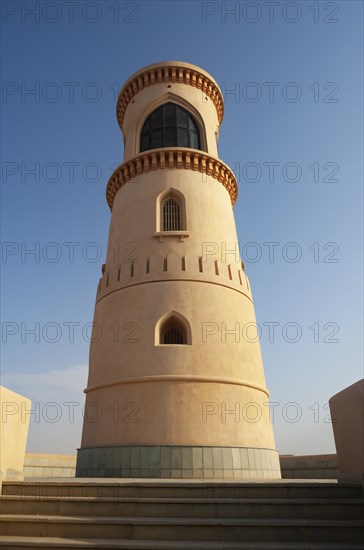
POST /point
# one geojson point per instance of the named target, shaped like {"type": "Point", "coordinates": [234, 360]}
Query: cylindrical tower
{"type": "Point", "coordinates": [176, 386]}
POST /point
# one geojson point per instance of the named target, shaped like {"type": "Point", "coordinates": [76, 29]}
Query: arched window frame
{"type": "Point", "coordinates": [169, 97]}
{"type": "Point", "coordinates": [171, 214]}
{"type": "Point", "coordinates": [166, 195]}
{"type": "Point", "coordinates": [170, 125]}
{"type": "Point", "coordinates": [168, 321]}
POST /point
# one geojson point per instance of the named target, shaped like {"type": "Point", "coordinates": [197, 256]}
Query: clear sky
{"type": "Point", "coordinates": [291, 74]}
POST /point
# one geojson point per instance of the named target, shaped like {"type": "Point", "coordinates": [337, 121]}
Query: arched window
{"type": "Point", "coordinates": [171, 215]}
{"type": "Point", "coordinates": [173, 329]}
{"type": "Point", "coordinates": [173, 332]}
{"type": "Point", "coordinates": [169, 126]}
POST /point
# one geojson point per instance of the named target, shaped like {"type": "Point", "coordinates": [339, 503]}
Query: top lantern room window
{"type": "Point", "coordinates": [169, 126]}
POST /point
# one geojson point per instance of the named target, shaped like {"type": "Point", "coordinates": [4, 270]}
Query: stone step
{"type": "Point", "coordinates": [102, 544]}
{"type": "Point", "coordinates": [181, 489]}
{"type": "Point", "coordinates": [162, 507]}
{"type": "Point", "coordinates": [202, 529]}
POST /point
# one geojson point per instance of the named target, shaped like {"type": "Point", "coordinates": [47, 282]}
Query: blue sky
{"type": "Point", "coordinates": [291, 74]}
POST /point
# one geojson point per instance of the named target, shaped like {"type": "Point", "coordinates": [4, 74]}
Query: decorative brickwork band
{"type": "Point", "coordinates": [170, 73]}
{"type": "Point", "coordinates": [173, 157]}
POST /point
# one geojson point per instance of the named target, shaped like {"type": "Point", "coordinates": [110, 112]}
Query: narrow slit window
{"type": "Point", "coordinates": [173, 336]}
{"type": "Point", "coordinates": [171, 215]}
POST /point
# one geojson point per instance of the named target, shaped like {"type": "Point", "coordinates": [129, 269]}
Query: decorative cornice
{"type": "Point", "coordinates": [171, 157]}
{"type": "Point", "coordinates": [178, 73]}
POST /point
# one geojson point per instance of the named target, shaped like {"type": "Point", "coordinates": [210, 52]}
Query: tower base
{"type": "Point", "coordinates": [178, 462]}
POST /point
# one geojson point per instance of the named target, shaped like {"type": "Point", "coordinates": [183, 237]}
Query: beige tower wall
{"type": "Point", "coordinates": [149, 98]}
{"type": "Point", "coordinates": [208, 212]}
{"type": "Point", "coordinates": [206, 400]}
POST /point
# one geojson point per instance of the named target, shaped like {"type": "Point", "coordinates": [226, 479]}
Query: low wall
{"type": "Point", "coordinates": [14, 424]}
{"type": "Point", "coordinates": [47, 465]}
{"type": "Point", "coordinates": [309, 466]}
{"type": "Point", "coordinates": [292, 467]}
{"type": "Point", "coordinates": [347, 411]}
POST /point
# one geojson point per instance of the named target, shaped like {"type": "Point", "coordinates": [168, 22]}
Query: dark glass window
{"type": "Point", "coordinates": [169, 126]}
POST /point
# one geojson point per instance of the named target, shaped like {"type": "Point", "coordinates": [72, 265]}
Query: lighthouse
{"type": "Point", "coordinates": [176, 385]}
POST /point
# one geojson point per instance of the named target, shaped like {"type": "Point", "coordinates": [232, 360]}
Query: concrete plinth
{"type": "Point", "coordinates": [179, 462]}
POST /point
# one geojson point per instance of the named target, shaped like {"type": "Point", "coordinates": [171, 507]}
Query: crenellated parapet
{"type": "Point", "coordinates": [159, 267]}
{"type": "Point", "coordinates": [172, 158]}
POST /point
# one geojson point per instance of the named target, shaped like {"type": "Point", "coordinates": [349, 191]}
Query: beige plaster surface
{"type": "Point", "coordinates": [14, 424]}
{"type": "Point", "coordinates": [347, 414]}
